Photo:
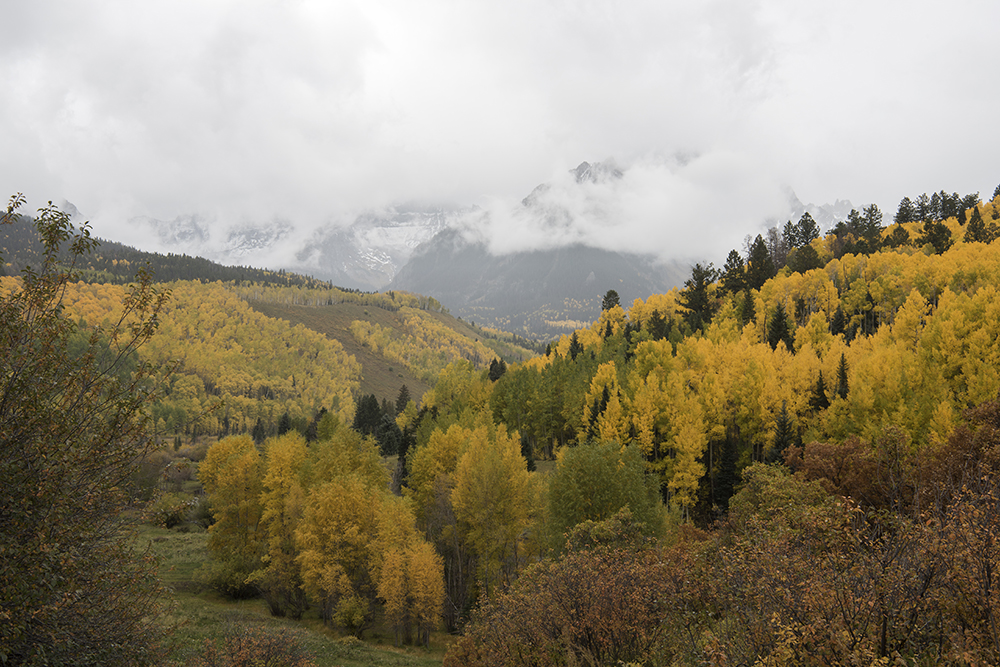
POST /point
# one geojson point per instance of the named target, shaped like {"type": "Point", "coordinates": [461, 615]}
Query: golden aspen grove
{"type": "Point", "coordinates": [792, 460]}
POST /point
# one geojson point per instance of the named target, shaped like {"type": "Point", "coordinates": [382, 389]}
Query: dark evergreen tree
{"type": "Point", "coordinates": [608, 331]}
{"type": "Point", "coordinates": [977, 231]}
{"type": "Point", "coordinates": [657, 326]}
{"type": "Point", "coordinates": [808, 230]}
{"type": "Point", "coordinates": [996, 192]}
{"type": "Point", "coordinates": [870, 229]}
{"type": "Point", "coordinates": [575, 346]}
{"type": "Point", "coordinates": [804, 259]}
{"type": "Point", "coordinates": [961, 218]}
{"type": "Point", "coordinates": [367, 415]}
{"type": "Point", "coordinates": [734, 273]}
{"type": "Point", "coordinates": [748, 309]}
{"type": "Point", "coordinates": [935, 207]}
{"type": "Point", "coordinates": [790, 235]}
{"type": "Point", "coordinates": [907, 211]}
{"type": "Point", "coordinates": [923, 208]}
{"type": "Point", "coordinates": [284, 423]}
{"type": "Point", "coordinates": [938, 235]}
{"type": "Point", "coordinates": [312, 431]}
{"type": "Point", "coordinates": [259, 433]}
{"type": "Point", "coordinates": [760, 268]}
{"type": "Point", "coordinates": [971, 200]}
{"type": "Point", "coordinates": [898, 237]}
{"type": "Point", "coordinates": [950, 205]}
{"type": "Point", "coordinates": [818, 400]}
{"type": "Point", "coordinates": [528, 452]}
{"type": "Point", "coordinates": [695, 297]}
{"type": "Point", "coordinates": [784, 435]}
{"type": "Point", "coordinates": [838, 324]}
{"type": "Point", "coordinates": [548, 349]}
{"type": "Point", "coordinates": [497, 369]}
{"type": "Point", "coordinates": [777, 330]}
{"type": "Point", "coordinates": [842, 377]}
{"type": "Point", "coordinates": [388, 435]}
{"type": "Point", "coordinates": [402, 398]}
{"type": "Point", "coordinates": [610, 300]}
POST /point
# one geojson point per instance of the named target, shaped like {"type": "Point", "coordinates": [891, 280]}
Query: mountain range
{"type": "Point", "coordinates": [429, 250]}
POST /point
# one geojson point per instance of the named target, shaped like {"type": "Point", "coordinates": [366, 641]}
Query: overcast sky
{"type": "Point", "coordinates": [312, 110]}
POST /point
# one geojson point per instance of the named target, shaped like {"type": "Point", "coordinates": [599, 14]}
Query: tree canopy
{"type": "Point", "coordinates": [73, 426]}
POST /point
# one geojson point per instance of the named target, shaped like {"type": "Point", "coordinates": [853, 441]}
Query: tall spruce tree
{"type": "Point", "coordinates": [819, 400]}
{"type": "Point", "coordinates": [760, 268]}
{"type": "Point", "coordinates": [842, 377]}
{"type": "Point", "coordinates": [734, 273]}
{"type": "Point", "coordinates": [777, 330]}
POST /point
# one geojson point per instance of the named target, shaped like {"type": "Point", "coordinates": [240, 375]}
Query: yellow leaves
{"type": "Point", "coordinates": [491, 497]}
{"type": "Point", "coordinates": [602, 409]}
{"type": "Point", "coordinates": [425, 346]}
{"type": "Point", "coordinates": [333, 535]}
{"type": "Point", "coordinates": [231, 475]}
{"type": "Point", "coordinates": [910, 321]}
{"type": "Point", "coordinates": [347, 453]}
{"type": "Point", "coordinates": [434, 461]}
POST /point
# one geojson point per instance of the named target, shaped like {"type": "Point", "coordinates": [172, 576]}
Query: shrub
{"type": "Point", "coordinates": [246, 646]}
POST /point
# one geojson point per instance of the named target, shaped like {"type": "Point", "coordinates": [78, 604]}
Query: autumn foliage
{"type": "Point", "coordinates": [73, 427]}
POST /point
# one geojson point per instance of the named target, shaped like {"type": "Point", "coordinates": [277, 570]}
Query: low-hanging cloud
{"type": "Point", "coordinates": [309, 111]}
{"type": "Point", "coordinates": [668, 208]}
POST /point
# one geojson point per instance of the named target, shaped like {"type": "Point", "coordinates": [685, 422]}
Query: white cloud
{"type": "Point", "coordinates": [309, 110]}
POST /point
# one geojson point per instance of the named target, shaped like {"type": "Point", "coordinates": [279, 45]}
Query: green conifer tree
{"type": "Point", "coordinates": [818, 400]}
{"type": "Point", "coordinates": [777, 329]}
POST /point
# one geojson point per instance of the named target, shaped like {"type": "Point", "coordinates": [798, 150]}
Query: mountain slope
{"type": "Point", "coordinates": [538, 294]}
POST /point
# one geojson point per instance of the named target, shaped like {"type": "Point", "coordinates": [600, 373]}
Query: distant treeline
{"type": "Point", "coordinates": [116, 263]}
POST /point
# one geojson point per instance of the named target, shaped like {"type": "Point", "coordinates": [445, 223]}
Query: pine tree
{"type": "Point", "coordinates": [695, 298]}
{"type": "Point", "coordinates": [748, 310]}
{"type": "Point", "coordinates": [976, 231]}
{"type": "Point", "coordinates": [808, 230]}
{"type": "Point", "coordinates": [497, 369]}
{"type": "Point", "coordinates": [610, 300]}
{"type": "Point", "coordinates": [284, 424]}
{"type": "Point", "coordinates": [838, 323]}
{"type": "Point", "coordinates": [575, 346]}
{"type": "Point", "coordinates": [906, 212]}
{"type": "Point", "coordinates": [784, 434]}
{"type": "Point", "coordinates": [761, 268]}
{"type": "Point", "coordinates": [938, 235]}
{"type": "Point", "coordinates": [898, 237]}
{"type": "Point", "coordinates": [842, 377]}
{"type": "Point", "coordinates": [402, 399]}
{"type": "Point", "coordinates": [259, 433]}
{"type": "Point", "coordinates": [734, 273]}
{"type": "Point", "coordinates": [777, 329]}
{"type": "Point", "coordinates": [818, 400]}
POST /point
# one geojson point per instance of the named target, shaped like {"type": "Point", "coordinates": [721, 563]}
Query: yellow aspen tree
{"type": "Point", "coordinates": [434, 462]}
{"type": "Point", "coordinates": [687, 444]}
{"type": "Point", "coordinates": [425, 576]}
{"type": "Point", "coordinates": [283, 500]}
{"type": "Point", "coordinates": [491, 500]}
{"type": "Point", "coordinates": [602, 414]}
{"type": "Point", "coordinates": [333, 539]}
{"type": "Point", "coordinates": [232, 476]}
{"type": "Point", "coordinates": [393, 589]}
{"type": "Point", "coordinates": [342, 451]}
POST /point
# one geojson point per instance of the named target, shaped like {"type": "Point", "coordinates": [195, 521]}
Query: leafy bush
{"type": "Point", "coordinates": [170, 509]}
{"type": "Point", "coordinates": [246, 646]}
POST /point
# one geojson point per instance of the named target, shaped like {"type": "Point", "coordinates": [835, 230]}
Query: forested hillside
{"type": "Point", "coordinates": [791, 461]}
{"type": "Point", "coordinates": [247, 347]}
